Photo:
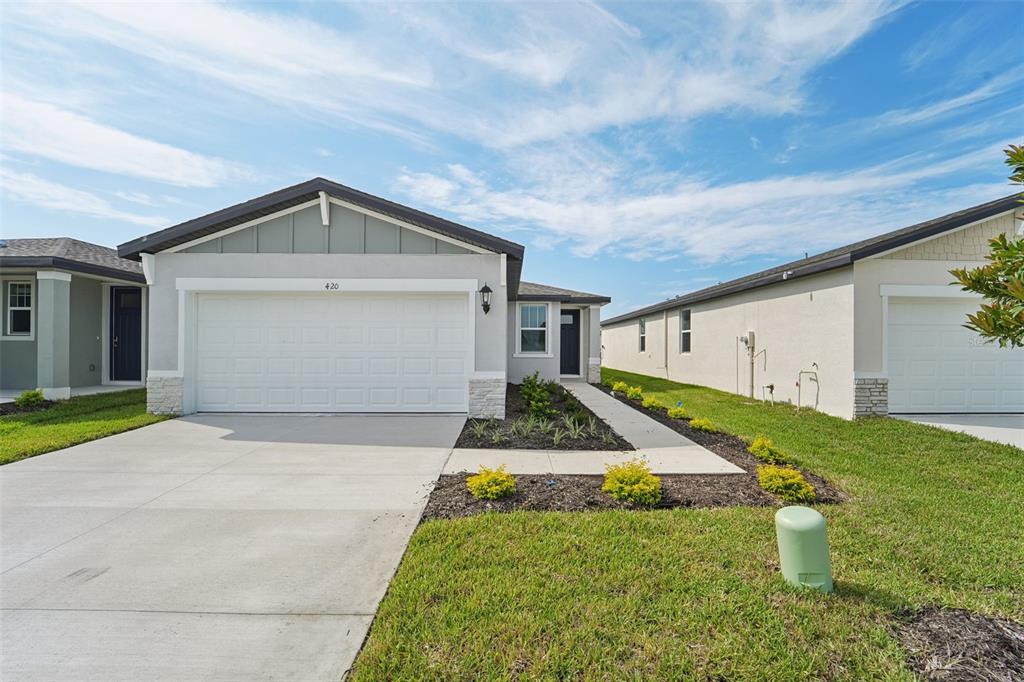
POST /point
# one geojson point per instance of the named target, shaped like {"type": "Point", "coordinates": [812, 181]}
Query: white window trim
{"type": "Point", "coordinates": [682, 331]}
{"type": "Point", "coordinates": [520, 353]}
{"type": "Point", "coordinates": [5, 292]}
{"type": "Point", "coordinates": [641, 341]}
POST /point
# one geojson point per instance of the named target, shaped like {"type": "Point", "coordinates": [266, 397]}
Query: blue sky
{"type": "Point", "coordinates": [637, 150]}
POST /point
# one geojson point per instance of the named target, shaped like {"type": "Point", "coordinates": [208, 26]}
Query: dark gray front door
{"type": "Point", "coordinates": [125, 334]}
{"type": "Point", "coordinates": [569, 351]}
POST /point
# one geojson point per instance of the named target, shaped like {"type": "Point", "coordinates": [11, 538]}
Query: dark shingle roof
{"type": "Point", "coordinates": [68, 254]}
{"type": "Point", "coordinates": [530, 291]}
{"type": "Point", "coordinates": [834, 258]}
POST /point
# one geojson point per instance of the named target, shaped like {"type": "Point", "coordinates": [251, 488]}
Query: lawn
{"type": "Point", "coordinates": [70, 422]}
{"type": "Point", "coordinates": [935, 518]}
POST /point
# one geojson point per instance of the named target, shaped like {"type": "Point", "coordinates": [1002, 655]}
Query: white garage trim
{"type": "Point", "coordinates": [924, 290]}
{"type": "Point", "coordinates": [329, 285]}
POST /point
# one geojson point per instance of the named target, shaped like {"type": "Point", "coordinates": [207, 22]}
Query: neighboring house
{"type": "Point", "coordinates": [870, 328]}
{"type": "Point", "coordinates": [322, 298]}
{"type": "Point", "coordinates": [73, 317]}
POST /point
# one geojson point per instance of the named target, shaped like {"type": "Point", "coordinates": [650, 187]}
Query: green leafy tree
{"type": "Point", "coordinates": [1001, 280]}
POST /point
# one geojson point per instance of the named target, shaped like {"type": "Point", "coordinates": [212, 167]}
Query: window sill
{"type": "Point", "coordinates": [532, 355]}
{"type": "Point", "coordinates": [18, 337]}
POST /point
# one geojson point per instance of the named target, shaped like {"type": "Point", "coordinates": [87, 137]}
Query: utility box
{"type": "Point", "coordinates": [803, 548]}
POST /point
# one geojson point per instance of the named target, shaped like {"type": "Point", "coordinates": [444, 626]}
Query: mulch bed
{"type": "Point", "coordinates": [954, 645]}
{"type": "Point", "coordinates": [516, 407]}
{"type": "Point", "coordinates": [11, 408]}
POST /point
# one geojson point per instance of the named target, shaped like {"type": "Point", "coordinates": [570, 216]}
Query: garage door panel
{"type": "Point", "coordinates": [343, 352]}
{"type": "Point", "coordinates": [937, 365]}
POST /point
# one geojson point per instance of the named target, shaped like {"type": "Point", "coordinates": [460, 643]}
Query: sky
{"type": "Point", "coordinates": [637, 150]}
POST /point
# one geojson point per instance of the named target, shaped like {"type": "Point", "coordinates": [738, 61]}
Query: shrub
{"type": "Point", "coordinates": [558, 436]}
{"type": "Point", "coordinates": [30, 398]}
{"type": "Point", "coordinates": [491, 484]}
{"type": "Point", "coordinates": [652, 403]}
{"type": "Point", "coordinates": [765, 450]}
{"type": "Point", "coordinates": [574, 427]}
{"type": "Point", "coordinates": [634, 392]}
{"type": "Point", "coordinates": [632, 482]}
{"type": "Point", "coordinates": [620, 387]}
{"type": "Point", "coordinates": [678, 413]}
{"type": "Point", "coordinates": [786, 482]}
{"type": "Point", "coordinates": [703, 424]}
{"type": "Point", "coordinates": [537, 395]}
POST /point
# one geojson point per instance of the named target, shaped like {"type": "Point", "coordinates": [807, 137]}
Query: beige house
{"type": "Point", "coordinates": [870, 328]}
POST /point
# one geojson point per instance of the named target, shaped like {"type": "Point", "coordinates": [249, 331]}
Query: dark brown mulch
{"type": "Point", "coordinates": [731, 448]}
{"type": "Point", "coordinates": [11, 408]}
{"type": "Point", "coordinates": [555, 492]}
{"type": "Point", "coordinates": [954, 645]}
{"type": "Point", "coordinates": [515, 407]}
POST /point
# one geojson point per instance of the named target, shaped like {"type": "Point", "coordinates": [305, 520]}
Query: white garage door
{"type": "Point", "coordinates": [936, 365]}
{"type": "Point", "coordinates": [331, 352]}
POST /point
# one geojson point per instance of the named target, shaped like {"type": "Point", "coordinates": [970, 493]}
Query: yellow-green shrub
{"type": "Point", "coordinates": [491, 484]}
{"type": "Point", "coordinates": [634, 392]}
{"type": "Point", "coordinates": [652, 403]}
{"type": "Point", "coordinates": [678, 413]}
{"type": "Point", "coordinates": [786, 482]}
{"type": "Point", "coordinates": [765, 450]}
{"type": "Point", "coordinates": [32, 398]}
{"type": "Point", "coordinates": [620, 387]}
{"type": "Point", "coordinates": [632, 482]}
{"type": "Point", "coordinates": [703, 424]}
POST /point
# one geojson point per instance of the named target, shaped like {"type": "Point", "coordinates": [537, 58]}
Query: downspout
{"type": "Point", "coordinates": [664, 324]}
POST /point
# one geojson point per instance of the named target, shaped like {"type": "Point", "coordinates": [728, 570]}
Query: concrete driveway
{"type": "Point", "coordinates": [211, 547]}
{"type": "Point", "coordinates": [1002, 428]}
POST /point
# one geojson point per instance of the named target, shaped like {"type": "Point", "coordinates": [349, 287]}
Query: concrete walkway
{"type": "Point", "coordinates": [665, 450]}
{"type": "Point", "coordinates": [1001, 428]}
{"type": "Point", "coordinates": [211, 547]}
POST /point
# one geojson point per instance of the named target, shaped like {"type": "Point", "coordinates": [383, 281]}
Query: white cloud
{"type": "Point", "coordinates": [952, 105]}
{"type": "Point", "coordinates": [34, 190]}
{"type": "Point", "coordinates": [44, 130]}
{"type": "Point", "coordinates": [707, 221]}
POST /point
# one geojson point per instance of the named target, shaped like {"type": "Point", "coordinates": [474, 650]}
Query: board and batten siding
{"type": "Point", "coordinates": [796, 323]}
{"type": "Point", "coordinates": [304, 232]}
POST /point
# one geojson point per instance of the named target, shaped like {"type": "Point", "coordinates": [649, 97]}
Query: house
{"type": "Point", "coordinates": [73, 317]}
{"type": "Point", "coordinates": [870, 328]}
{"type": "Point", "coordinates": [322, 298]}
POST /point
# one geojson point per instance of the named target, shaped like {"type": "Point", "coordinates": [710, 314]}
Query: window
{"type": "Point", "coordinates": [643, 335]}
{"type": "Point", "coordinates": [533, 328]}
{"type": "Point", "coordinates": [684, 331]}
{"type": "Point", "coordinates": [19, 308]}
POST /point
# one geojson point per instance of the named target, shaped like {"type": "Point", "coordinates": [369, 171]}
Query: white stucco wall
{"type": "Point", "coordinates": [796, 323]}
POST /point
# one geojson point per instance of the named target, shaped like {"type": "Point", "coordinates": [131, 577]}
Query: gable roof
{"type": "Point", "coordinates": [530, 291]}
{"type": "Point", "coordinates": [834, 258]}
{"type": "Point", "coordinates": [65, 253]}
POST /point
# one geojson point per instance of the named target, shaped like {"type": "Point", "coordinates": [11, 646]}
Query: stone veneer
{"type": "Point", "coordinates": [870, 397]}
{"type": "Point", "coordinates": [594, 372]}
{"type": "Point", "coordinates": [487, 398]}
{"type": "Point", "coordinates": [165, 395]}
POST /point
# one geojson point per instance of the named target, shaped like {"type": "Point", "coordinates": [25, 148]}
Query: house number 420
{"type": "Point", "coordinates": [331, 286]}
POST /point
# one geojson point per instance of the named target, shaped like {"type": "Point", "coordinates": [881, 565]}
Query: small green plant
{"type": "Point", "coordinates": [558, 436]}
{"type": "Point", "coordinates": [32, 398]}
{"type": "Point", "coordinates": [523, 426]}
{"type": "Point", "coordinates": [634, 393]}
{"type": "Point", "coordinates": [786, 482]}
{"type": "Point", "coordinates": [703, 424]}
{"type": "Point", "coordinates": [632, 482]}
{"type": "Point", "coordinates": [491, 484]}
{"type": "Point", "coordinates": [497, 437]}
{"type": "Point", "coordinates": [678, 413]}
{"type": "Point", "coordinates": [479, 428]}
{"type": "Point", "coordinates": [537, 395]}
{"type": "Point", "coordinates": [620, 387]}
{"type": "Point", "coordinates": [652, 403]}
{"type": "Point", "coordinates": [608, 438]}
{"type": "Point", "coordinates": [546, 426]}
{"type": "Point", "coordinates": [574, 427]}
{"type": "Point", "coordinates": [592, 425]}
{"type": "Point", "coordinates": [765, 450]}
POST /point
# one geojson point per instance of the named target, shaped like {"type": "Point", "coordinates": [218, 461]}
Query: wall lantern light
{"type": "Point", "coordinates": [485, 298]}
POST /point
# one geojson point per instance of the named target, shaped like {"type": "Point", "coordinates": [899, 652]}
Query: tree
{"type": "Point", "coordinates": [1001, 280]}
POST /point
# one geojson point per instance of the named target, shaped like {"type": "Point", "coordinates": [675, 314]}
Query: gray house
{"type": "Point", "coordinates": [322, 298]}
{"type": "Point", "coordinates": [74, 316]}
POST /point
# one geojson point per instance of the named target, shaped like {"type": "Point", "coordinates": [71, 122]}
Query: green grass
{"type": "Point", "coordinates": [70, 422]}
{"type": "Point", "coordinates": [935, 518]}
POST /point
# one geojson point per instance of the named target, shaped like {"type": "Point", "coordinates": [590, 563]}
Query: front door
{"type": "Point", "coordinates": [125, 334]}
{"type": "Point", "coordinates": [570, 348]}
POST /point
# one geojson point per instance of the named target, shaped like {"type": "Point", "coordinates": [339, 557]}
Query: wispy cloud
{"type": "Point", "coordinates": [945, 107]}
{"type": "Point", "coordinates": [941, 41]}
{"type": "Point", "coordinates": [44, 130]}
{"type": "Point", "coordinates": [31, 189]}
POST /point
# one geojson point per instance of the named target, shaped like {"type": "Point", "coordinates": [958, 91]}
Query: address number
{"type": "Point", "coordinates": [332, 286]}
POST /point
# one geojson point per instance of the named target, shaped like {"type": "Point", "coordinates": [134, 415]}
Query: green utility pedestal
{"type": "Point", "coordinates": [803, 548]}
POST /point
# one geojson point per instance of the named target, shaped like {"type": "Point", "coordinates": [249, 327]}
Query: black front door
{"type": "Point", "coordinates": [125, 334]}
{"type": "Point", "coordinates": [570, 349]}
